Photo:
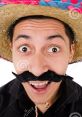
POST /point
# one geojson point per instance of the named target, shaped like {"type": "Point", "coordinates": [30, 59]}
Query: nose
{"type": "Point", "coordinates": [37, 65]}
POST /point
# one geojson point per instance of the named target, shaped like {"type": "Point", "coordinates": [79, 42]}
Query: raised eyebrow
{"type": "Point", "coordinates": [55, 36]}
{"type": "Point", "coordinates": [23, 36]}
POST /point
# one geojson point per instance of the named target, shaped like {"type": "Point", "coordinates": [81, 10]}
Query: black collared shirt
{"type": "Point", "coordinates": [14, 101]}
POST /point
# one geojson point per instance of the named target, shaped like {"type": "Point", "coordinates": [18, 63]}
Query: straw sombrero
{"type": "Point", "coordinates": [58, 9]}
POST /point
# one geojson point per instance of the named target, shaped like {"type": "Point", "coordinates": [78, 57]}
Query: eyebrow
{"type": "Point", "coordinates": [49, 38]}
{"type": "Point", "coordinates": [23, 36]}
{"type": "Point", "coordinates": [55, 36]}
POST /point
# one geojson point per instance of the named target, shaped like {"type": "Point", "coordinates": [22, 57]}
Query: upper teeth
{"type": "Point", "coordinates": [38, 83]}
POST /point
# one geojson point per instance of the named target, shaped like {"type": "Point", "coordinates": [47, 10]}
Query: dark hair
{"type": "Point", "coordinates": [68, 30]}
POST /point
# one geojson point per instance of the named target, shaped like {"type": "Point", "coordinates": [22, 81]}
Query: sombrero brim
{"type": "Point", "coordinates": [9, 13]}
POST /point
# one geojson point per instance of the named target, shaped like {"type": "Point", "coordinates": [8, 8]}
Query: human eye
{"type": "Point", "coordinates": [53, 49]}
{"type": "Point", "coordinates": [24, 48]}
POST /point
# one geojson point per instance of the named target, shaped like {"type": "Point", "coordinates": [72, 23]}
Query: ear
{"type": "Point", "coordinates": [72, 51]}
{"type": "Point", "coordinates": [10, 44]}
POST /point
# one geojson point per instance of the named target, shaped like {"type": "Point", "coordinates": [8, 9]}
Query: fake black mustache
{"type": "Point", "coordinates": [47, 76]}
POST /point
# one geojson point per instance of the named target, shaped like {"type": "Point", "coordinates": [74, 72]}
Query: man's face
{"type": "Point", "coordinates": [39, 46]}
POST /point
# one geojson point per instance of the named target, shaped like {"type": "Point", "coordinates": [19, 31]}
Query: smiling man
{"type": "Point", "coordinates": [42, 46]}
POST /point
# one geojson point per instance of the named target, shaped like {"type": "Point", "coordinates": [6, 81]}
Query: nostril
{"type": "Point", "coordinates": [37, 68]}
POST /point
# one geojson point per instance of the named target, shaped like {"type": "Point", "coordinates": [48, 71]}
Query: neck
{"type": "Point", "coordinates": [43, 107]}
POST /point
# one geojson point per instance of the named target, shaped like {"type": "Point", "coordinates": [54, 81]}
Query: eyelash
{"type": "Point", "coordinates": [24, 47]}
{"type": "Point", "coordinates": [49, 49]}
{"type": "Point", "coordinates": [54, 49]}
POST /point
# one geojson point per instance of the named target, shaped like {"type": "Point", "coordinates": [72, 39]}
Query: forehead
{"type": "Point", "coordinates": [40, 24]}
{"type": "Point", "coordinates": [35, 30]}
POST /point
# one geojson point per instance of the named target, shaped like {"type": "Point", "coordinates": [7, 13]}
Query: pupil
{"type": "Point", "coordinates": [54, 49]}
{"type": "Point", "coordinates": [24, 49]}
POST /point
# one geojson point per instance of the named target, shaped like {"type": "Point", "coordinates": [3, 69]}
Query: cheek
{"type": "Point", "coordinates": [20, 63]}
{"type": "Point", "coordinates": [59, 64]}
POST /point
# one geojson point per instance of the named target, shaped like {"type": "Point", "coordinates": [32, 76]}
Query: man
{"type": "Point", "coordinates": [43, 43]}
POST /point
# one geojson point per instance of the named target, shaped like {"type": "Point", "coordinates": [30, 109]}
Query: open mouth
{"type": "Point", "coordinates": [39, 85]}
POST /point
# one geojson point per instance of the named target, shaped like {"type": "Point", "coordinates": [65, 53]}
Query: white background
{"type": "Point", "coordinates": [6, 68]}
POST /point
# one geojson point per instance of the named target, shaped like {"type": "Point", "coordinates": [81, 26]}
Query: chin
{"type": "Point", "coordinates": [39, 100]}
